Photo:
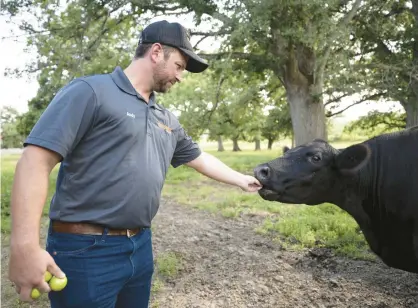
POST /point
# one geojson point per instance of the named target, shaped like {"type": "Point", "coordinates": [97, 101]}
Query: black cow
{"type": "Point", "coordinates": [376, 182]}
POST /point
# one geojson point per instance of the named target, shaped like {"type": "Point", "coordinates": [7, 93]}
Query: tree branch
{"type": "Point", "coordinates": [214, 33]}
{"type": "Point", "coordinates": [222, 78]}
{"type": "Point", "coordinates": [217, 97]}
{"type": "Point", "coordinates": [222, 17]}
{"type": "Point", "coordinates": [104, 30]}
{"type": "Point", "coordinates": [364, 99]}
{"type": "Point", "coordinates": [239, 55]}
{"type": "Point", "coordinates": [346, 19]}
{"type": "Point", "coordinates": [200, 41]}
{"type": "Point", "coordinates": [336, 99]}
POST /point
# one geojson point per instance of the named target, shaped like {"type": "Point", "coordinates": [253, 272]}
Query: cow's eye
{"type": "Point", "coordinates": [316, 158]}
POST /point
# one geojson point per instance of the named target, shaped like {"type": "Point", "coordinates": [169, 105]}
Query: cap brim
{"type": "Point", "coordinates": [195, 64]}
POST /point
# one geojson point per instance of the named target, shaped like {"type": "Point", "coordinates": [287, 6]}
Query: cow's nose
{"type": "Point", "coordinates": [262, 172]}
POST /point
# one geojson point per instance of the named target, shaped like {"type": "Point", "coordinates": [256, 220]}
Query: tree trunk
{"type": "Point", "coordinates": [412, 106]}
{"type": "Point", "coordinates": [293, 141]}
{"type": "Point", "coordinates": [257, 145]}
{"type": "Point", "coordinates": [220, 144]}
{"type": "Point", "coordinates": [303, 91]}
{"type": "Point", "coordinates": [235, 147]}
{"type": "Point", "coordinates": [308, 117]}
{"type": "Point", "coordinates": [270, 144]}
{"type": "Point", "coordinates": [411, 113]}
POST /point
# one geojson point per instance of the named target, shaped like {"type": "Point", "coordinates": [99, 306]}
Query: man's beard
{"type": "Point", "coordinates": [161, 81]}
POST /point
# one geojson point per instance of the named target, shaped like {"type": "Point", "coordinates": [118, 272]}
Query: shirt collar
{"type": "Point", "coordinates": [123, 83]}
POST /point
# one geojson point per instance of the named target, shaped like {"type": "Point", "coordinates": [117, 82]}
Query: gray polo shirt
{"type": "Point", "coordinates": [116, 151]}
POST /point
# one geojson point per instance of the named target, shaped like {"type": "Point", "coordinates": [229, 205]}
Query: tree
{"type": "Point", "coordinates": [192, 101]}
{"type": "Point", "coordinates": [278, 124]}
{"type": "Point", "coordinates": [10, 137]}
{"type": "Point", "coordinates": [386, 36]}
{"type": "Point", "coordinates": [296, 40]}
{"type": "Point", "coordinates": [376, 123]}
{"type": "Point", "coordinates": [220, 102]}
{"type": "Point", "coordinates": [84, 38]}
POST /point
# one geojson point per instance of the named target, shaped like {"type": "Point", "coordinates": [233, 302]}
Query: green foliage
{"type": "Point", "coordinates": [10, 136]}
{"type": "Point", "coordinates": [92, 37]}
{"type": "Point", "coordinates": [278, 123]}
{"type": "Point", "coordinates": [192, 100]}
{"type": "Point", "coordinates": [317, 47]}
{"type": "Point", "coordinates": [376, 123]}
{"type": "Point", "coordinates": [219, 102]}
{"type": "Point", "coordinates": [86, 38]}
{"type": "Point", "coordinates": [386, 34]}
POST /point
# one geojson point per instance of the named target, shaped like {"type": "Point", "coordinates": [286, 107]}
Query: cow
{"type": "Point", "coordinates": [375, 182]}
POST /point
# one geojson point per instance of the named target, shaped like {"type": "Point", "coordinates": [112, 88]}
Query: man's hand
{"type": "Point", "coordinates": [27, 267]}
{"type": "Point", "coordinates": [250, 184]}
{"type": "Point", "coordinates": [213, 168]}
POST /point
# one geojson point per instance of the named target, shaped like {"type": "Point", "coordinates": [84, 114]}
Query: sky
{"type": "Point", "coordinates": [16, 92]}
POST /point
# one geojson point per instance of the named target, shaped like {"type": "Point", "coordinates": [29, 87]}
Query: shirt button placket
{"type": "Point", "coordinates": [149, 129]}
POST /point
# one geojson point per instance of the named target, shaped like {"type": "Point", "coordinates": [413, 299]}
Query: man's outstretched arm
{"type": "Point", "coordinates": [213, 168]}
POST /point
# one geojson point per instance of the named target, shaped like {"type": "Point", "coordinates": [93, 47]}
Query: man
{"type": "Point", "coordinates": [115, 145]}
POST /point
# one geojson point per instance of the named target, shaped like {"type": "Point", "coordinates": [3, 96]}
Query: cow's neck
{"type": "Point", "coordinates": [349, 196]}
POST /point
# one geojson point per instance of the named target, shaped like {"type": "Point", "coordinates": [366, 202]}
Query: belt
{"type": "Point", "coordinates": [90, 229]}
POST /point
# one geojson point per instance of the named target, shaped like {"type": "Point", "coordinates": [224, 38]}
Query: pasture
{"type": "Point", "coordinates": [300, 226]}
{"type": "Point", "coordinates": [295, 227]}
{"type": "Point", "coordinates": [192, 204]}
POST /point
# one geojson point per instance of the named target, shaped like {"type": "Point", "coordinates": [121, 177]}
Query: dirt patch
{"type": "Point", "coordinates": [227, 264]}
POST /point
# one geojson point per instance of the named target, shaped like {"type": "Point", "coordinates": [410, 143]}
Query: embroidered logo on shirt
{"type": "Point", "coordinates": [130, 115]}
{"type": "Point", "coordinates": [165, 127]}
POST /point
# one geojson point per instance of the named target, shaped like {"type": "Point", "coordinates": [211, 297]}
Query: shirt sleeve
{"type": "Point", "coordinates": [66, 119]}
{"type": "Point", "coordinates": [186, 149]}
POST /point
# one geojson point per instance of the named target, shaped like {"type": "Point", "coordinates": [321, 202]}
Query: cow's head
{"type": "Point", "coordinates": [306, 174]}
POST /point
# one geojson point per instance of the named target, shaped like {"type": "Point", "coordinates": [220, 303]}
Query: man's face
{"type": "Point", "coordinates": [168, 71]}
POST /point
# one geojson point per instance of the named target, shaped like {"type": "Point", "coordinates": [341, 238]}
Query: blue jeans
{"type": "Point", "coordinates": [103, 271]}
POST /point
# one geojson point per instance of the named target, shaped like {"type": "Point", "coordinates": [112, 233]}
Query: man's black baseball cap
{"type": "Point", "coordinates": [174, 35]}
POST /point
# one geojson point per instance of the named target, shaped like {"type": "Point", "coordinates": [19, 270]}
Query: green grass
{"type": "Point", "coordinates": [8, 165]}
{"type": "Point", "coordinates": [168, 264]}
{"type": "Point", "coordinates": [298, 226]}
{"type": "Point", "coordinates": [167, 267]}
{"type": "Point", "coordinates": [324, 225]}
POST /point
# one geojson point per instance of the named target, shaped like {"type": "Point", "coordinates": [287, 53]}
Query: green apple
{"type": "Point", "coordinates": [57, 284]}
{"type": "Point", "coordinates": [35, 293]}
{"type": "Point", "coordinates": [47, 276]}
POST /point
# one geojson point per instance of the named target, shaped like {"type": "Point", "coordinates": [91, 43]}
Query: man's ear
{"type": "Point", "coordinates": [350, 160]}
{"type": "Point", "coordinates": [155, 52]}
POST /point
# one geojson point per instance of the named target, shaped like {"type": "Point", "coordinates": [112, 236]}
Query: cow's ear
{"type": "Point", "coordinates": [285, 149]}
{"type": "Point", "coordinates": [353, 158]}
